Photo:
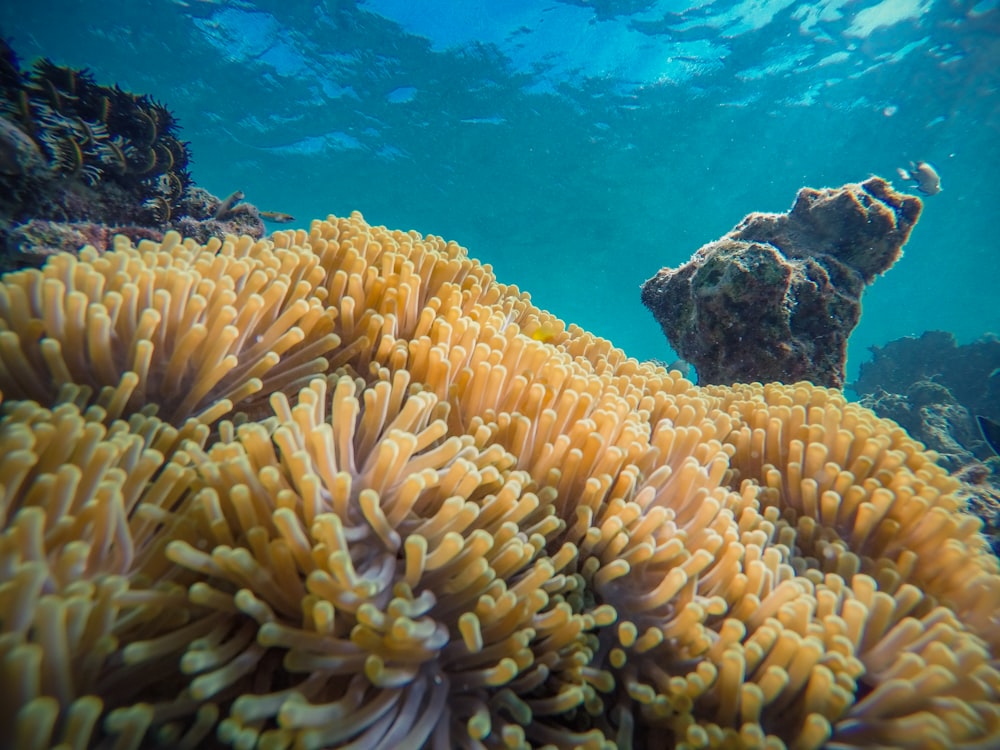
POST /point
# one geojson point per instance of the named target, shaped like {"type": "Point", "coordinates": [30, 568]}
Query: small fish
{"type": "Point", "coordinates": [927, 179]}
{"type": "Point", "coordinates": [277, 217]}
{"type": "Point", "coordinates": [991, 432]}
{"type": "Point", "coordinates": [545, 332]}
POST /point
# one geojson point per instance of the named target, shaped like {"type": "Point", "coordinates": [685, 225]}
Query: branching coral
{"type": "Point", "coordinates": [401, 518]}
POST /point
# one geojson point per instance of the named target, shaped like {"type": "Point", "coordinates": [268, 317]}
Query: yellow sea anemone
{"type": "Point", "coordinates": [192, 329]}
{"type": "Point", "coordinates": [427, 525]}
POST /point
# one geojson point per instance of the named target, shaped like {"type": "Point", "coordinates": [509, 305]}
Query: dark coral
{"type": "Point", "coordinates": [932, 414]}
{"type": "Point", "coordinates": [776, 298]}
{"type": "Point", "coordinates": [970, 372]}
{"type": "Point", "coordinates": [981, 491]}
{"type": "Point", "coordinates": [934, 388]}
{"type": "Point", "coordinates": [76, 156]}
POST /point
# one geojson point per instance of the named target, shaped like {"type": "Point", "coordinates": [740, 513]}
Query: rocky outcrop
{"type": "Point", "coordinates": [776, 298]}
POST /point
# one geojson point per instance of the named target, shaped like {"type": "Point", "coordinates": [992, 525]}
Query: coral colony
{"type": "Point", "coordinates": [339, 488]}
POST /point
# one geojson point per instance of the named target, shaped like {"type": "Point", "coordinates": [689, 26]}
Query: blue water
{"type": "Point", "coordinates": [578, 146]}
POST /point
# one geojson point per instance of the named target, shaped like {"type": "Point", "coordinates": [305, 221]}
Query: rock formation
{"type": "Point", "coordinates": [776, 298]}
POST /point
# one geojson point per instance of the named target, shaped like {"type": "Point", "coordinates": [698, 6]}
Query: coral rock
{"type": "Point", "coordinates": [32, 242]}
{"type": "Point", "coordinates": [970, 372]}
{"type": "Point", "coordinates": [776, 298]}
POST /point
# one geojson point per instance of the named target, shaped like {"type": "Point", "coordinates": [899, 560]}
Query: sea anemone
{"type": "Point", "coordinates": [379, 511]}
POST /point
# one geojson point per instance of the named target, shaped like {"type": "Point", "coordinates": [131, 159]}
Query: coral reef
{"type": "Point", "coordinates": [340, 488]}
{"type": "Point", "coordinates": [777, 297]}
{"type": "Point", "coordinates": [969, 372]}
{"type": "Point", "coordinates": [935, 388]}
{"type": "Point", "coordinates": [81, 160]}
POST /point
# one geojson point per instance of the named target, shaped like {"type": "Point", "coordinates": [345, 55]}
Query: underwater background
{"type": "Point", "coordinates": [578, 146]}
{"type": "Point", "coordinates": [340, 488]}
